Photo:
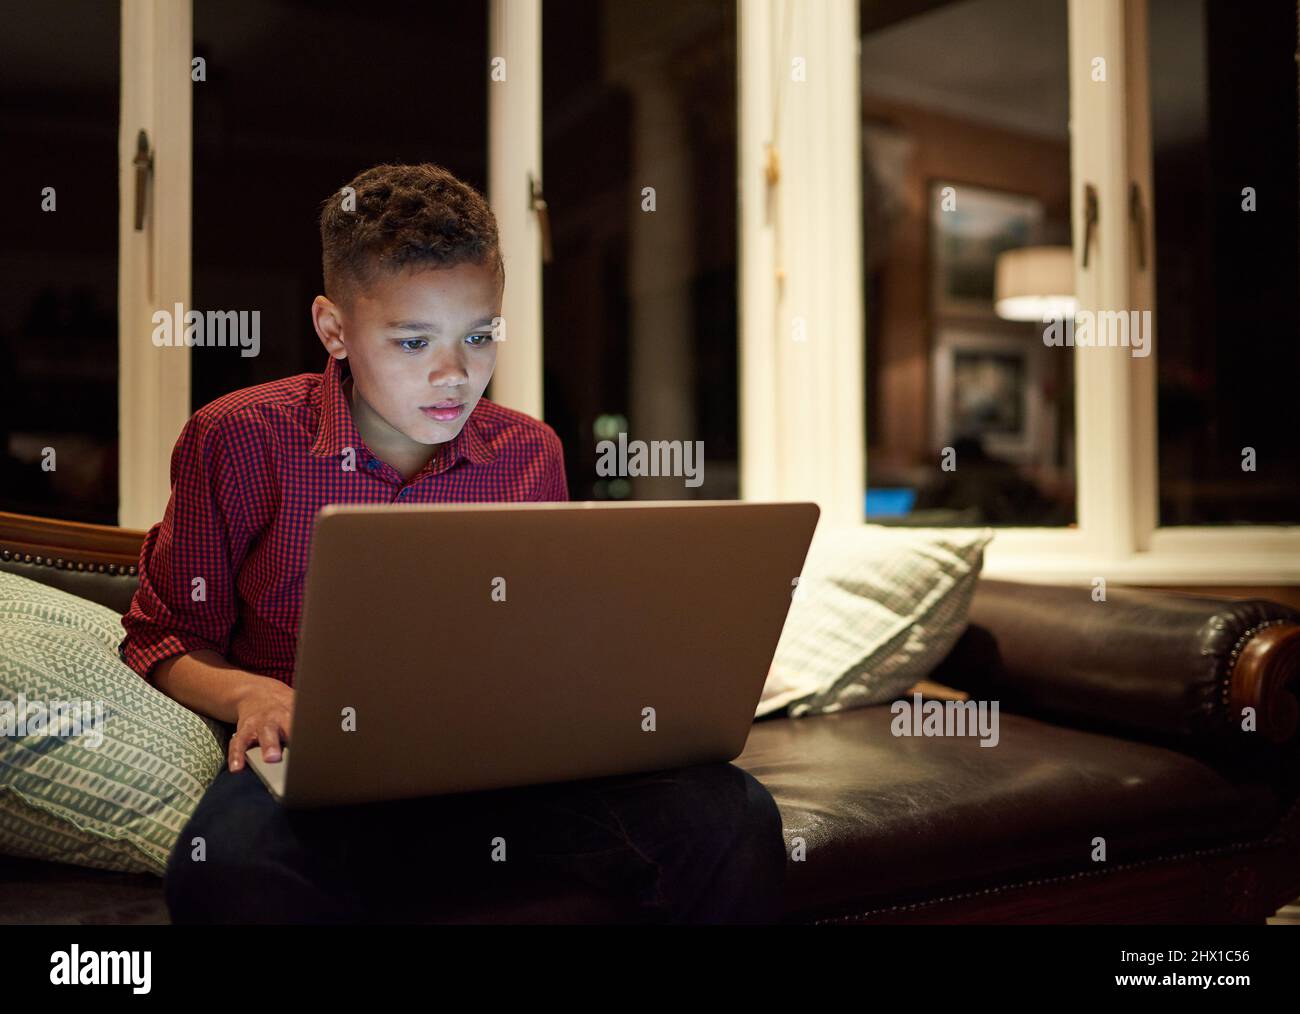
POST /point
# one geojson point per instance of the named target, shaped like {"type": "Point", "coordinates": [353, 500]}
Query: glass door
{"type": "Point", "coordinates": [297, 99]}
{"type": "Point", "coordinates": [59, 95]}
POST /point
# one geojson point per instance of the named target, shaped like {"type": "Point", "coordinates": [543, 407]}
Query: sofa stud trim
{"type": "Point", "coordinates": [1250, 893]}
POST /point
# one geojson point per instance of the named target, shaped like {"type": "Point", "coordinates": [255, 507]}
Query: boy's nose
{"type": "Point", "coordinates": [449, 369]}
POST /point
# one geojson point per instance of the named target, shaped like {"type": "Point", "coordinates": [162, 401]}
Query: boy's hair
{"type": "Point", "coordinates": [405, 215]}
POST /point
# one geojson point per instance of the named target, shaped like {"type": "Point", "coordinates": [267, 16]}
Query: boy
{"type": "Point", "coordinates": [414, 279]}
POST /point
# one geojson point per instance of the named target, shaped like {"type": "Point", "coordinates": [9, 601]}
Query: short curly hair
{"type": "Point", "coordinates": [394, 216]}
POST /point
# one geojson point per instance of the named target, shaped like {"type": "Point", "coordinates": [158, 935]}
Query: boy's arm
{"type": "Point", "coordinates": [260, 707]}
{"type": "Point", "coordinates": [179, 625]}
{"type": "Point", "coordinates": [205, 681]}
{"type": "Point", "coordinates": [186, 599]}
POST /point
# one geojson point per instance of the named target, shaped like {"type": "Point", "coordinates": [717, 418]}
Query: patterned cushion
{"type": "Point", "coordinates": [118, 803]}
{"type": "Point", "coordinates": [875, 610]}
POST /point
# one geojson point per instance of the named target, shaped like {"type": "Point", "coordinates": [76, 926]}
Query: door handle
{"type": "Point", "coordinates": [1091, 214]}
{"type": "Point", "coordinates": [538, 203]}
{"type": "Point", "coordinates": [1138, 216]}
{"type": "Point", "coordinates": [143, 163]}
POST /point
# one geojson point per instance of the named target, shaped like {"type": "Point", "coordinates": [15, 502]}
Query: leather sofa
{"type": "Point", "coordinates": [1122, 788]}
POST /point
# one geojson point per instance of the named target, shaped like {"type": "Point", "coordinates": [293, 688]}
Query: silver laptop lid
{"type": "Point", "coordinates": [458, 647]}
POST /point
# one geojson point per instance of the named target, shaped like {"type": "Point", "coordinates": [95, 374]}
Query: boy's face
{"type": "Point", "coordinates": [419, 343]}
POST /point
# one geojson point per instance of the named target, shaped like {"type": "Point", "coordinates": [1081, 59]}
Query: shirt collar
{"type": "Point", "coordinates": [335, 428]}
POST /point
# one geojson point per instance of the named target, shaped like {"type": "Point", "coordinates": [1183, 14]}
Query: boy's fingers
{"type": "Point", "coordinates": [238, 743]}
{"type": "Point", "coordinates": [270, 741]}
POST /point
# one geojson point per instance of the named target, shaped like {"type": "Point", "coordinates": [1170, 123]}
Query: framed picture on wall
{"type": "Point", "coordinates": [969, 227]}
{"type": "Point", "coordinates": [987, 387]}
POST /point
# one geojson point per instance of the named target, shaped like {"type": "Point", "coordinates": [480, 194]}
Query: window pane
{"type": "Point", "coordinates": [59, 100]}
{"type": "Point", "coordinates": [640, 301]}
{"type": "Point", "coordinates": [299, 98]}
{"type": "Point", "coordinates": [1223, 119]}
{"type": "Point", "coordinates": [966, 156]}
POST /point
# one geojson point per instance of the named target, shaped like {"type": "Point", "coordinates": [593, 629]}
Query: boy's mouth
{"type": "Point", "coordinates": [443, 411]}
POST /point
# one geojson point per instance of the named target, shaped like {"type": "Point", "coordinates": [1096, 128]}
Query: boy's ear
{"type": "Point", "coordinates": [327, 318]}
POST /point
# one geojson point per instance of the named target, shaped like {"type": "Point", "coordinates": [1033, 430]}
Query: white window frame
{"type": "Point", "coordinates": [153, 264]}
{"type": "Point", "coordinates": [802, 430]}
{"type": "Point", "coordinates": [795, 436]}
{"type": "Point", "coordinates": [1118, 536]}
{"type": "Point", "coordinates": [515, 155]}
{"type": "Point", "coordinates": [800, 281]}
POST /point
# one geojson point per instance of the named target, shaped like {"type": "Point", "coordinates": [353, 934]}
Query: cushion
{"type": "Point", "coordinates": [876, 609]}
{"type": "Point", "coordinates": [113, 789]}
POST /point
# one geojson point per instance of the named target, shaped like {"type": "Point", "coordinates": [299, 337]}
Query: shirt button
{"type": "Point", "coordinates": [401, 493]}
{"type": "Point", "coordinates": [372, 463]}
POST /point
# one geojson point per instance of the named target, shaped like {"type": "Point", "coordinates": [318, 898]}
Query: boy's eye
{"type": "Point", "coordinates": [403, 342]}
{"type": "Point", "coordinates": [482, 339]}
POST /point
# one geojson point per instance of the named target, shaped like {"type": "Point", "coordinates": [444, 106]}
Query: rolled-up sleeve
{"type": "Point", "coordinates": [186, 598]}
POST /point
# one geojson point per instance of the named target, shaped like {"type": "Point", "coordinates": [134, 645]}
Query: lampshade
{"type": "Point", "coordinates": [1035, 283]}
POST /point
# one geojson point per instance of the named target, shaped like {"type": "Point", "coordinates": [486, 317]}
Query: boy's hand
{"type": "Point", "coordinates": [265, 715]}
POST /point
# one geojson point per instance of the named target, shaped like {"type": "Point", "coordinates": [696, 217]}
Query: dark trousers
{"type": "Point", "coordinates": [700, 844]}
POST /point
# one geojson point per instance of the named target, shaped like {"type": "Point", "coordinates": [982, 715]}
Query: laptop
{"type": "Point", "coordinates": [447, 648]}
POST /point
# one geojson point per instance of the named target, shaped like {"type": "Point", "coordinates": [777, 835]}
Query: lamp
{"type": "Point", "coordinates": [1035, 283]}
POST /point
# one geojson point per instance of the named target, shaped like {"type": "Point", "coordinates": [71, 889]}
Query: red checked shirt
{"type": "Point", "coordinates": [248, 474]}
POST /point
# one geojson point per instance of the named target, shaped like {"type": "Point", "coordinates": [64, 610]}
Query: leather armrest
{"type": "Point", "coordinates": [1175, 668]}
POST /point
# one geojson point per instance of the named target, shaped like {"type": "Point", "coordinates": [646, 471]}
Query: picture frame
{"type": "Point", "coordinates": [988, 386]}
{"type": "Point", "coordinates": [969, 226]}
